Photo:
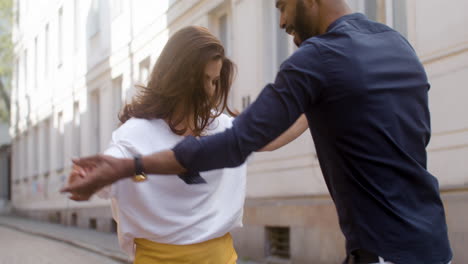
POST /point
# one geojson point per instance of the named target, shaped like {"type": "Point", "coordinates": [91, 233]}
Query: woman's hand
{"type": "Point", "coordinates": [77, 175]}
{"type": "Point", "coordinates": [95, 172]}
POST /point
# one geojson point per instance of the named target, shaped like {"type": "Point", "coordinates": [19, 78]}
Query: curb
{"type": "Point", "coordinates": [103, 252]}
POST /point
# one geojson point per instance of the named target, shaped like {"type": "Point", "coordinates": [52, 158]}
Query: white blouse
{"type": "Point", "coordinates": [164, 209]}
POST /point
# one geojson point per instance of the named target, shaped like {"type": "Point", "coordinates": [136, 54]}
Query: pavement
{"type": "Point", "coordinates": [17, 247]}
{"type": "Point", "coordinates": [104, 244]}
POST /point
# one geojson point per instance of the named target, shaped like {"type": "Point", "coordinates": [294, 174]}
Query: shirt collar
{"type": "Point", "coordinates": [344, 18]}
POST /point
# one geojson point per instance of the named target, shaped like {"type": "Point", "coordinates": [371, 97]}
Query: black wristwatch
{"type": "Point", "coordinates": [140, 175]}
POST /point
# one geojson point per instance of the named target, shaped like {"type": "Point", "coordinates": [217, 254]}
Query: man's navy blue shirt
{"type": "Point", "coordinates": [365, 94]}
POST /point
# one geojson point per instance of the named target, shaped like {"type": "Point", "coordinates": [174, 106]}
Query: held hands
{"type": "Point", "coordinates": [90, 174]}
{"type": "Point", "coordinates": [77, 174]}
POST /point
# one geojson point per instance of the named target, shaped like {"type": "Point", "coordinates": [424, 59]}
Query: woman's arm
{"type": "Point", "coordinates": [289, 135]}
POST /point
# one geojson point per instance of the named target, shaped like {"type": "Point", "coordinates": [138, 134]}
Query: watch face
{"type": "Point", "coordinates": [139, 178]}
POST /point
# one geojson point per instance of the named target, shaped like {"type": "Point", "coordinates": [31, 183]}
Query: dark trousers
{"type": "Point", "coordinates": [361, 256]}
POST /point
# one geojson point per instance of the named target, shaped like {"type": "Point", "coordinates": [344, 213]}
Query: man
{"type": "Point", "coordinates": [364, 92]}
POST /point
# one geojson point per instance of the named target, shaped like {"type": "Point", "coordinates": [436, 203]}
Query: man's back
{"type": "Point", "coordinates": [364, 92]}
{"type": "Point", "coordinates": [370, 123]}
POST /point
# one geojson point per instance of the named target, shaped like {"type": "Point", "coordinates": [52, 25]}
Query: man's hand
{"type": "Point", "coordinates": [93, 173]}
{"type": "Point", "coordinates": [77, 174]}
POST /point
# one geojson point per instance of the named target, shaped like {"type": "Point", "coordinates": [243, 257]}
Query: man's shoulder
{"type": "Point", "coordinates": [310, 47]}
{"type": "Point", "coordinates": [308, 56]}
{"type": "Point", "coordinates": [357, 23]}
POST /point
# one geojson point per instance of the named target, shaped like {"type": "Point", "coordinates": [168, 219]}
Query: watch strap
{"type": "Point", "coordinates": [139, 169]}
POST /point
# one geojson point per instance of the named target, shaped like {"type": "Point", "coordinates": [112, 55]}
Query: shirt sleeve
{"type": "Point", "coordinates": [296, 88]}
{"type": "Point", "coordinates": [115, 150]}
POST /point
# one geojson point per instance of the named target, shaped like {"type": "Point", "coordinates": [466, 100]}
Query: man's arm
{"type": "Point", "coordinates": [279, 105]}
{"type": "Point", "coordinates": [103, 170]}
{"type": "Point", "coordinates": [297, 129]}
{"type": "Point", "coordinates": [168, 162]}
{"type": "Point", "coordinates": [275, 110]}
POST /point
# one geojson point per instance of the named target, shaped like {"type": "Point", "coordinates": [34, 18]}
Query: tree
{"type": "Point", "coordinates": [6, 57]}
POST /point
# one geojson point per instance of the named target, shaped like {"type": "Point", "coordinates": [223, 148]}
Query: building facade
{"type": "Point", "coordinates": [5, 168]}
{"type": "Point", "coordinates": [77, 61]}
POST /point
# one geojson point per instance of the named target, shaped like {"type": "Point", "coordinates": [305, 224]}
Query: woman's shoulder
{"type": "Point", "coordinates": [220, 123]}
{"type": "Point", "coordinates": [226, 120]}
{"type": "Point", "coordinates": [138, 128]}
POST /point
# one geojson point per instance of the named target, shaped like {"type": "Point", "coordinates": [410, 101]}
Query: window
{"type": "Point", "coordinates": [144, 71]}
{"type": "Point", "coordinates": [399, 17]}
{"type": "Point", "coordinates": [94, 25]}
{"type": "Point", "coordinates": [117, 100]}
{"type": "Point", "coordinates": [46, 149]}
{"type": "Point", "coordinates": [278, 242]}
{"type": "Point", "coordinates": [60, 37]}
{"type": "Point", "coordinates": [113, 228]}
{"type": "Point", "coordinates": [46, 50]}
{"type": "Point", "coordinates": [245, 102]}
{"type": "Point", "coordinates": [24, 155]}
{"type": "Point", "coordinates": [36, 151]}
{"type": "Point", "coordinates": [116, 8]}
{"type": "Point", "coordinates": [16, 158]}
{"type": "Point", "coordinates": [279, 45]}
{"type": "Point", "coordinates": [58, 218]}
{"type": "Point", "coordinates": [17, 114]}
{"type": "Point", "coordinates": [390, 12]}
{"type": "Point", "coordinates": [35, 62]}
{"type": "Point", "coordinates": [60, 142]}
{"type": "Point", "coordinates": [9, 176]}
{"type": "Point", "coordinates": [221, 26]}
{"type": "Point", "coordinates": [76, 130]}
{"type": "Point", "coordinates": [18, 12]}
{"type": "Point", "coordinates": [16, 89]}
{"type": "Point", "coordinates": [224, 31]}
{"type": "Point", "coordinates": [282, 42]}
{"type": "Point", "coordinates": [15, 161]}
{"type": "Point", "coordinates": [95, 121]}
{"type": "Point", "coordinates": [76, 24]}
{"type": "Point", "coordinates": [20, 157]}
{"type": "Point", "coordinates": [31, 153]}
{"type": "Point", "coordinates": [93, 223]}
{"type": "Point", "coordinates": [25, 65]}
{"type": "Point", "coordinates": [74, 219]}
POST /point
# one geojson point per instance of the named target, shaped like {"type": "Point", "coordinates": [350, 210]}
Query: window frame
{"type": "Point", "coordinates": [215, 26]}
{"type": "Point", "coordinates": [388, 16]}
{"type": "Point", "coordinates": [271, 61]}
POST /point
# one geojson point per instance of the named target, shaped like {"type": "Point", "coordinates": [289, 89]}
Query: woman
{"type": "Point", "coordinates": [163, 219]}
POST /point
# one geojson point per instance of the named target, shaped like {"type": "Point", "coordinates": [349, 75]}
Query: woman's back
{"type": "Point", "coordinates": [165, 209]}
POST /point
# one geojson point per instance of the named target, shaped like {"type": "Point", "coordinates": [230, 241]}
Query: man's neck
{"type": "Point", "coordinates": [332, 15]}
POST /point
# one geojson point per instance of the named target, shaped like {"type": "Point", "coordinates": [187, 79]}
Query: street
{"type": "Point", "coordinates": [21, 248]}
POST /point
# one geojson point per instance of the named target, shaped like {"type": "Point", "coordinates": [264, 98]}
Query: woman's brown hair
{"type": "Point", "coordinates": [176, 89]}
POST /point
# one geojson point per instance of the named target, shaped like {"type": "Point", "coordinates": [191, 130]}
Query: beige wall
{"type": "Point", "coordinates": [442, 45]}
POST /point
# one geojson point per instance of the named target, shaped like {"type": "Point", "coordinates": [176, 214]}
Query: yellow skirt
{"type": "Point", "coordinates": [215, 251]}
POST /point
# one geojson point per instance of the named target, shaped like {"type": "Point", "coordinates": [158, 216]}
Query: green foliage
{"type": "Point", "coordinates": [6, 57]}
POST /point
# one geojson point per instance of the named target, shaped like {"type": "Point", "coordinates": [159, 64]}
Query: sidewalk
{"type": "Point", "coordinates": [105, 244]}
